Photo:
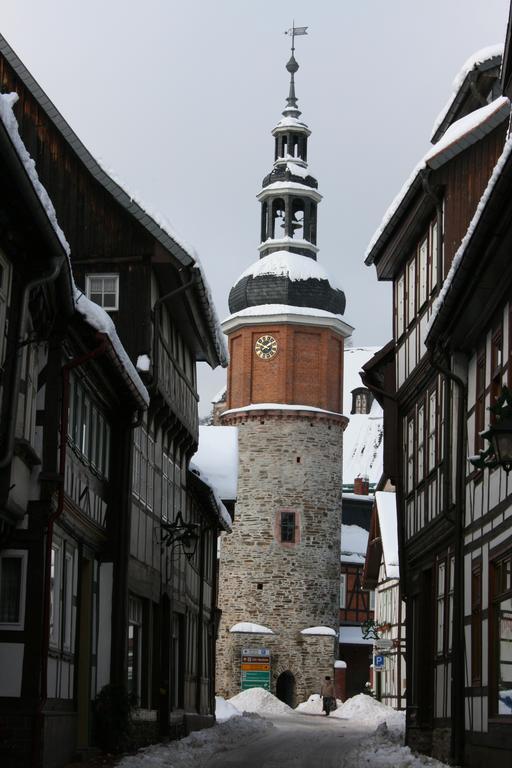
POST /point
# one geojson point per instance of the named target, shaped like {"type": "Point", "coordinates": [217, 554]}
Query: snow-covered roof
{"type": "Point", "coordinates": [291, 122]}
{"type": "Point", "coordinates": [459, 255]}
{"type": "Point", "coordinates": [220, 396]}
{"type": "Point", "coordinates": [248, 627]}
{"type": "Point", "coordinates": [290, 186]}
{"type": "Point", "coordinates": [490, 54]}
{"type": "Point", "coordinates": [294, 266]}
{"type": "Point", "coordinates": [353, 636]}
{"type": "Point", "coordinates": [297, 170]}
{"type": "Point", "coordinates": [156, 225]}
{"type": "Point", "coordinates": [94, 315]}
{"type": "Point", "coordinates": [363, 436]}
{"type": "Point", "coordinates": [388, 525]}
{"type": "Point", "coordinates": [318, 631]}
{"type": "Point", "coordinates": [459, 136]}
{"type": "Point", "coordinates": [222, 513]}
{"type": "Point", "coordinates": [354, 541]}
{"type": "Point", "coordinates": [298, 242]}
{"type": "Point", "coordinates": [217, 459]}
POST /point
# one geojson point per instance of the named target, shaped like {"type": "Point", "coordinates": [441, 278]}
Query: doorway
{"type": "Point", "coordinates": [285, 688]}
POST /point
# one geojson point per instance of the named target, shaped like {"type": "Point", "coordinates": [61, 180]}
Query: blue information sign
{"type": "Point", "coordinates": [378, 661]}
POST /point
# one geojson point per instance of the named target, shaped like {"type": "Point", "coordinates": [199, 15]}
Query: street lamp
{"type": "Point", "coordinates": [180, 532]}
{"type": "Point", "coordinates": [499, 435]}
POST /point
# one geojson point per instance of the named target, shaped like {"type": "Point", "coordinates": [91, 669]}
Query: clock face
{"type": "Point", "coordinates": [266, 347]}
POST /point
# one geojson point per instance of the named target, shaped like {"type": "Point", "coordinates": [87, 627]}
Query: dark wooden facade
{"type": "Point", "coordinates": [415, 251]}
{"type": "Point", "coordinates": [160, 640]}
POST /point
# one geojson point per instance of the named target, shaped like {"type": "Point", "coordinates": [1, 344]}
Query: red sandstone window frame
{"type": "Point", "coordinates": [278, 527]}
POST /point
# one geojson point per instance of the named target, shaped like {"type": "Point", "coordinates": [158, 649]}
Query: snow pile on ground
{"type": "Point", "coordinates": [260, 701]}
{"type": "Point", "coordinates": [224, 710]}
{"type": "Point", "coordinates": [313, 706]}
{"type": "Point", "coordinates": [368, 710]}
{"type": "Point", "coordinates": [197, 749]}
{"type": "Point", "coordinates": [383, 750]}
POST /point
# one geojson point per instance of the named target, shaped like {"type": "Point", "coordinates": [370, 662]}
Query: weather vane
{"type": "Point", "coordinates": [294, 32]}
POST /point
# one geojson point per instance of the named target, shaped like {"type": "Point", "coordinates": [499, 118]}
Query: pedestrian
{"type": "Point", "coordinates": [328, 696]}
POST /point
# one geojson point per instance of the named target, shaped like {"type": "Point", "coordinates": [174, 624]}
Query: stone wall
{"type": "Point", "coordinates": [286, 462]}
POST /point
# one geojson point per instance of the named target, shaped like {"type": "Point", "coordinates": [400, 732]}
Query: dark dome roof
{"type": "Point", "coordinates": [287, 278]}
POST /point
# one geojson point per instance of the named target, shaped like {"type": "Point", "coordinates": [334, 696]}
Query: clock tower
{"type": "Point", "coordinates": [279, 586]}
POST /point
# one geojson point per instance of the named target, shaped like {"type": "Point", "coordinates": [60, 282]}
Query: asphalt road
{"type": "Point", "coordinates": [299, 741]}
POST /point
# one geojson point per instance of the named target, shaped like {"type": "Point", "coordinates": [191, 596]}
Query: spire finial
{"type": "Point", "coordinates": [291, 110]}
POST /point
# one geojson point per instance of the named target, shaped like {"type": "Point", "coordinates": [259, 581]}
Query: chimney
{"type": "Point", "coordinates": [362, 485]}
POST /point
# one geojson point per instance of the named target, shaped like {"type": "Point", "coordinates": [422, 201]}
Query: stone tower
{"type": "Point", "coordinates": [279, 586]}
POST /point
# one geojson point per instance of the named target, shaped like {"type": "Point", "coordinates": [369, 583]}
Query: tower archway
{"type": "Point", "coordinates": [285, 688]}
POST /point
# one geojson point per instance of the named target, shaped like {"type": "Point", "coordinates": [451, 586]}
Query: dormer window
{"type": "Point", "coordinates": [103, 289]}
{"type": "Point", "coordinates": [361, 400]}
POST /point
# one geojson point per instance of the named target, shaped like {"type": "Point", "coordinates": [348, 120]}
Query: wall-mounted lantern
{"type": "Point", "coordinates": [499, 435]}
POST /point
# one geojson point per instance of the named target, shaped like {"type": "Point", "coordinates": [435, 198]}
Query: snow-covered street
{"type": "Point", "coordinates": [360, 733]}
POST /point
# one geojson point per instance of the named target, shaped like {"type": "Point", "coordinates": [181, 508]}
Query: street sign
{"type": "Point", "coordinates": [383, 644]}
{"type": "Point", "coordinates": [378, 661]}
{"type": "Point", "coordinates": [255, 668]}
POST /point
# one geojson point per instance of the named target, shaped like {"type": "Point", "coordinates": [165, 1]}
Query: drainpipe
{"type": "Point", "coordinates": [458, 640]}
{"type": "Point", "coordinates": [48, 277]}
{"type": "Point", "coordinates": [45, 641]}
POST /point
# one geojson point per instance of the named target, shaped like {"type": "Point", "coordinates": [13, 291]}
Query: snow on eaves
{"type": "Point", "coordinates": [283, 309]}
{"type": "Point", "coordinates": [292, 186]}
{"type": "Point", "coordinates": [459, 136]}
{"type": "Point", "coordinates": [279, 407]}
{"type": "Point", "coordinates": [94, 315]}
{"type": "Point", "coordinates": [288, 264]}
{"type": "Point", "coordinates": [204, 288]}
{"type": "Point", "coordinates": [248, 627]}
{"type": "Point", "coordinates": [7, 102]}
{"type": "Point", "coordinates": [291, 122]}
{"type": "Point", "coordinates": [459, 255]}
{"type": "Point", "coordinates": [388, 525]}
{"type": "Point", "coordinates": [97, 318]}
{"type": "Point", "coordinates": [474, 62]}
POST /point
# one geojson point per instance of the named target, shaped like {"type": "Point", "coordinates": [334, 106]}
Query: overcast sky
{"type": "Point", "coordinates": [179, 99]}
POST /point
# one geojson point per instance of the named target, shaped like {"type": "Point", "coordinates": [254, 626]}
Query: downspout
{"type": "Point", "coordinates": [457, 734]}
{"type": "Point", "coordinates": [48, 277]}
{"type": "Point", "coordinates": [45, 642]}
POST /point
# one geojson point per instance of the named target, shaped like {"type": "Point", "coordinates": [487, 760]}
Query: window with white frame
{"type": "Point", "coordinates": [433, 255]}
{"type": "Point", "coordinates": [410, 455]}
{"type": "Point", "coordinates": [134, 647]}
{"type": "Point", "coordinates": [55, 593]}
{"type": "Point", "coordinates": [432, 424]}
{"type": "Point", "coordinates": [343, 590]}
{"type": "Point", "coordinates": [441, 600]}
{"type": "Point", "coordinates": [5, 286]}
{"type": "Point", "coordinates": [421, 442]}
{"type": "Point", "coordinates": [400, 309]}
{"type": "Point", "coordinates": [411, 291]}
{"type": "Point", "coordinates": [103, 289]}
{"type": "Point", "coordinates": [423, 270]}
{"type": "Point", "coordinates": [372, 599]}
{"type": "Point", "coordinates": [13, 569]}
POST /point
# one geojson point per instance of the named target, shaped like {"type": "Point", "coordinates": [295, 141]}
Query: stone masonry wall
{"type": "Point", "coordinates": [286, 462]}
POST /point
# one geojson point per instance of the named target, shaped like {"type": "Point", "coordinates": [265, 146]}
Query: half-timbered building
{"type": "Point", "coordinates": [154, 290]}
{"type": "Point", "coordinates": [382, 574]}
{"type": "Point", "coordinates": [414, 248]}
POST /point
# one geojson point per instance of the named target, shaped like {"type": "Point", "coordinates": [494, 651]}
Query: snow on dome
{"type": "Point", "coordinates": [460, 135]}
{"type": "Point", "coordinates": [260, 701]}
{"type": "Point", "coordinates": [217, 459]}
{"type": "Point", "coordinates": [247, 627]}
{"type": "Point", "coordinates": [318, 631]}
{"type": "Point", "coordinates": [294, 266]}
{"type": "Point", "coordinates": [354, 541]}
{"type": "Point", "coordinates": [387, 514]}
{"type": "Point", "coordinates": [474, 61]}
{"type": "Point", "coordinates": [224, 710]}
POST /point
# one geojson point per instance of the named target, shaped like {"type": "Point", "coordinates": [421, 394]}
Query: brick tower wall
{"type": "Point", "coordinates": [287, 462]}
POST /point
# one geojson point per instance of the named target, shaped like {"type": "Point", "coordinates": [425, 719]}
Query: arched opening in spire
{"type": "Point", "coordinates": [264, 221]}
{"type": "Point", "coordinates": [278, 217]}
{"type": "Point", "coordinates": [297, 220]}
